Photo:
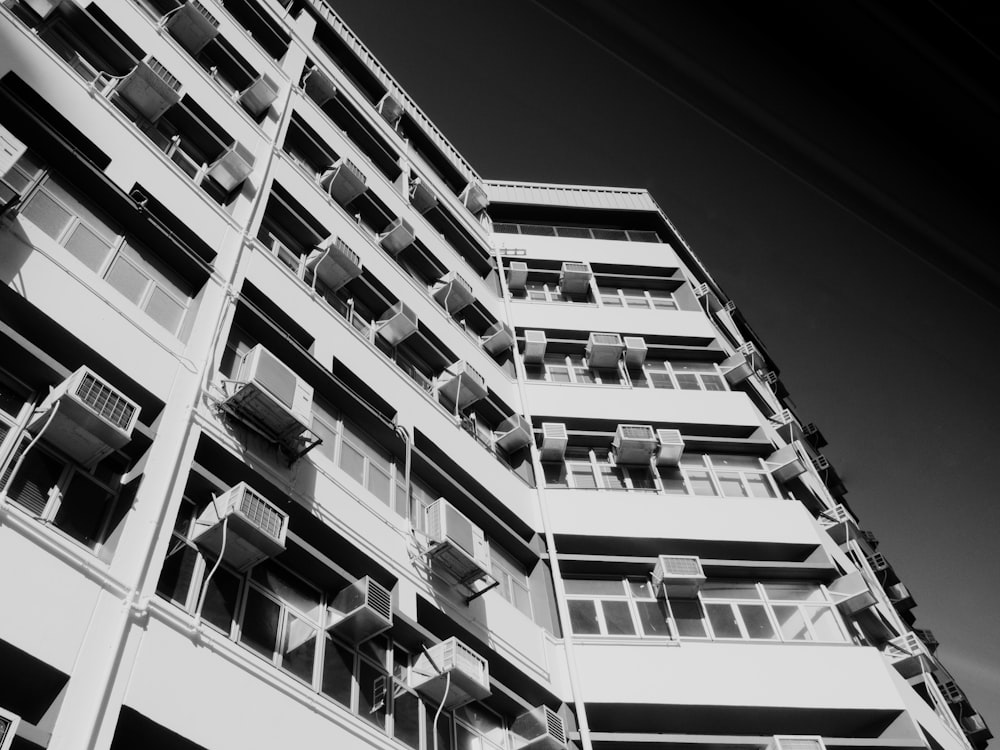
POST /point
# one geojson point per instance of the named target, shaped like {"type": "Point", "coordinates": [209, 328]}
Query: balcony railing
{"type": "Point", "coordinates": [586, 233]}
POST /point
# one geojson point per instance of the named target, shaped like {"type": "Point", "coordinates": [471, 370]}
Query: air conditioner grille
{"type": "Point", "coordinates": [681, 566]}
{"type": "Point", "coordinates": [576, 268]}
{"type": "Point", "coordinates": [165, 75]}
{"type": "Point", "coordinates": [800, 744]}
{"type": "Point", "coordinates": [349, 166]}
{"type": "Point", "coordinates": [203, 11]}
{"type": "Point", "coordinates": [261, 513]}
{"type": "Point", "coordinates": [105, 401]}
{"type": "Point", "coordinates": [606, 338]}
{"type": "Point", "coordinates": [636, 432]}
{"type": "Point", "coordinates": [556, 727]}
{"type": "Point", "coordinates": [380, 599]}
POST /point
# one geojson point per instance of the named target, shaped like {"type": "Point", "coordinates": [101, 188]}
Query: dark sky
{"type": "Point", "coordinates": [895, 362]}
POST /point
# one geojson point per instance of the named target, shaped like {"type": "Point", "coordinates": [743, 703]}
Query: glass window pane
{"type": "Point", "coordinates": [328, 435]}
{"type": "Point", "coordinates": [701, 483]}
{"type": "Point", "coordinates": [723, 621]}
{"type": "Point", "coordinates": [127, 279]}
{"type": "Point", "coordinates": [617, 617]}
{"type": "Point", "coordinates": [84, 507]}
{"type": "Point", "coordinates": [794, 592]}
{"type": "Point", "coordinates": [653, 618]}
{"type": "Point", "coordinates": [825, 623]}
{"type": "Point", "coordinates": [713, 383]}
{"type": "Point", "coordinates": [165, 310]}
{"type": "Point", "coordinates": [338, 672]}
{"type": "Point", "coordinates": [379, 483]}
{"type": "Point", "coordinates": [583, 617]}
{"type": "Point", "coordinates": [730, 484]}
{"type": "Point", "coordinates": [609, 376]}
{"type": "Point", "coordinates": [594, 586]}
{"type": "Point", "coordinates": [260, 623]}
{"type": "Point", "coordinates": [406, 719]}
{"type": "Point", "coordinates": [555, 474]}
{"type": "Point", "coordinates": [661, 380]}
{"type": "Point", "coordinates": [219, 607]}
{"type": "Point", "coordinates": [688, 381]}
{"type": "Point", "coordinates": [732, 590]}
{"type": "Point", "coordinates": [558, 374]}
{"type": "Point", "coordinates": [611, 477]}
{"type": "Point", "coordinates": [371, 690]}
{"type": "Point", "coordinates": [81, 209]}
{"type": "Point", "coordinates": [298, 653]}
{"type": "Point", "coordinates": [791, 623]}
{"type": "Point", "coordinates": [672, 480]}
{"type": "Point", "coordinates": [759, 486]}
{"type": "Point", "coordinates": [688, 618]}
{"type": "Point", "coordinates": [756, 621]}
{"type": "Point", "coordinates": [33, 482]}
{"type": "Point", "coordinates": [177, 572]}
{"type": "Point", "coordinates": [582, 475]}
{"type": "Point", "coordinates": [731, 461]}
{"type": "Point", "coordinates": [522, 598]}
{"type": "Point", "coordinates": [466, 739]}
{"type": "Point", "coordinates": [583, 375]}
{"type": "Point", "coordinates": [87, 246]}
{"type": "Point", "coordinates": [642, 477]}
{"type": "Point", "coordinates": [46, 214]}
{"type": "Point", "coordinates": [352, 461]}
{"type": "Point", "coordinates": [289, 588]}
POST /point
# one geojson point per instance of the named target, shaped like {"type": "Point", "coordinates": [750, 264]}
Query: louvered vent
{"type": "Point", "coordinates": [203, 11]}
{"type": "Point", "coordinates": [379, 598]}
{"type": "Point", "coordinates": [798, 743]}
{"type": "Point", "coordinates": [261, 513]}
{"type": "Point", "coordinates": [636, 432]}
{"type": "Point", "coordinates": [678, 565]}
{"type": "Point", "coordinates": [163, 74]}
{"type": "Point", "coordinates": [105, 401]}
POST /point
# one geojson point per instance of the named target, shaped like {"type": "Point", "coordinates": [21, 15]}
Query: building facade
{"type": "Point", "coordinates": [312, 437]}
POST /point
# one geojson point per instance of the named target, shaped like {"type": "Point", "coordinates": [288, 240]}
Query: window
{"type": "Point", "coordinates": [99, 244]}
{"type": "Point", "coordinates": [615, 607]}
{"type": "Point", "coordinates": [719, 474]}
{"type": "Point", "coordinates": [573, 368]}
{"type": "Point", "coordinates": [634, 297]}
{"type": "Point", "coordinates": [512, 579]}
{"type": "Point", "coordinates": [585, 468]}
{"type": "Point", "coordinates": [685, 376]}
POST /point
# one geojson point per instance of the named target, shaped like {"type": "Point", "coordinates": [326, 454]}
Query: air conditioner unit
{"type": "Point", "coordinates": [927, 636]}
{"type": "Point", "coordinates": [787, 462]}
{"type": "Point", "coordinates": [910, 656]}
{"type": "Point", "coordinates": [851, 593]}
{"type": "Point", "coordinates": [539, 729]}
{"type": "Point", "coordinates": [8, 728]}
{"type": "Point", "coordinates": [729, 307]}
{"type": "Point", "coordinates": [422, 196]}
{"type": "Point", "coordinates": [397, 237]}
{"type": "Point", "coordinates": [708, 298]}
{"type": "Point", "coordinates": [975, 728]}
{"type": "Point", "coordinates": [344, 181]}
{"type": "Point", "coordinates": [44, 9]}
{"type": "Point", "coordinates": [234, 166]}
{"type": "Point", "coordinates": [461, 385]}
{"type": "Point", "coordinates": [678, 576]}
{"type": "Point", "coordinates": [670, 447]}
{"type": "Point", "coordinates": [821, 463]}
{"type": "Point", "coordinates": [813, 436]}
{"type": "Point", "coordinates": [390, 108]}
{"type": "Point", "coordinates": [839, 524]}
{"type": "Point", "coordinates": [458, 547]}
{"type": "Point", "coordinates": [453, 293]}
{"type": "Point", "coordinates": [951, 692]}
{"type": "Point", "coordinates": [259, 96]}
{"type": "Point", "coordinates": [554, 441]}
{"type": "Point", "coordinates": [574, 278]}
{"type": "Point", "coordinates": [869, 538]}
{"type": "Point", "coordinates": [604, 350]}
{"type": "Point", "coordinates": [469, 675]}
{"type": "Point", "coordinates": [192, 26]}
{"type": "Point", "coordinates": [878, 563]}
{"type": "Point", "coordinates": [498, 337]}
{"type": "Point", "coordinates": [517, 275]}
{"type": "Point", "coordinates": [318, 86]}
{"type": "Point", "coordinates": [271, 396]}
{"type": "Point", "coordinates": [474, 198]}
{"type": "Point", "coordinates": [900, 597]}
{"type": "Point", "coordinates": [334, 263]}
{"type": "Point", "coordinates": [635, 351]}
{"type": "Point", "coordinates": [254, 527]}
{"type": "Point", "coordinates": [753, 355]}
{"type": "Point", "coordinates": [92, 419]}
{"type": "Point", "coordinates": [736, 368]}
{"type": "Point", "coordinates": [535, 345]}
{"type": "Point", "coordinates": [397, 323]}
{"type": "Point", "coordinates": [514, 433]}
{"type": "Point", "coordinates": [634, 444]}
{"type": "Point", "coordinates": [796, 742]}
{"type": "Point", "coordinates": [150, 88]}
{"type": "Point", "coordinates": [360, 611]}
{"type": "Point", "coordinates": [787, 426]}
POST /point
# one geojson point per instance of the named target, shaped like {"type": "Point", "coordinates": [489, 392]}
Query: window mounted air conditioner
{"type": "Point", "coordinates": [397, 323]}
{"type": "Point", "coordinates": [234, 166]}
{"type": "Point", "coordinates": [474, 198]}
{"type": "Point", "coordinates": [461, 385]}
{"type": "Point", "coordinates": [975, 728]}
{"type": "Point", "coordinates": [678, 576]}
{"type": "Point", "coordinates": [729, 307]}
{"type": "Point", "coordinates": [634, 444]}
{"type": "Point", "coordinates": [574, 278]}
{"type": "Point", "coordinates": [334, 263]}
{"type": "Point", "coordinates": [796, 742]}
{"type": "Point", "coordinates": [259, 96]}
{"type": "Point", "coordinates": [8, 728]}
{"type": "Point", "coordinates": [193, 26]}
{"type": "Point", "coordinates": [498, 337]}
{"type": "Point", "coordinates": [554, 441]}
{"type": "Point", "coordinates": [397, 237]}
{"type": "Point", "coordinates": [150, 88]}
{"type": "Point", "coordinates": [900, 597]}
{"type": "Point", "coordinates": [821, 463]}
{"type": "Point", "coordinates": [708, 298]}
{"type": "Point", "coordinates": [869, 538]}
{"type": "Point", "coordinates": [255, 528]}
{"type": "Point", "coordinates": [453, 293]}
{"type": "Point", "coordinates": [878, 562]}
{"type": "Point", "coordinates": [318, 86]}
{"type": "Point", "coordinates": [517, 275]}
{"type": "Point", "coordinates": [635, 351]}
{"type": "Point", "coordinates": [951, 692]}
{"type": "Point", "coordinates": [270, 396]}
{"type": "Point", "coordinates": [746, 361]}
{"type": "Point", "coordinates": [344, 181]}
{"type": "Point", "coordinates": [927, 636]}
{"type": "Point", "coordinates": [92, 419]}
{"type": "Point", "coordinates": [851, 593]}
{"type": "Point", "coordinates": [390, 108]}
{"type": "Point", "coordinates": [470, 675]}
{"type": "Point", "coordinates": [539, 729]}
{"type": "Point", "coordinates": [604, 350]}
{"type": "Point", "coordinates": [535, 345]}
{"type": "Point", "coordinates": [910, 656]}
{"type": "Point", "coordinates": [839, 524]}
{"type": "Point", "coordinates": [514, 433]}
{"type": "Point", "coordinates": [787, 426]}
{"type": "Point", "coordinates": [787, 462]}
{"type": "Point", "coordinates": [813, 436]}
{"type": "Point", "coordinates": [670, 447]}
{"type": "Point", "coordinates": [422, 196]}
{"type": "Point", "coordinates": [458, 547]}
{"type": "Point", "coordinates": [360, 611]}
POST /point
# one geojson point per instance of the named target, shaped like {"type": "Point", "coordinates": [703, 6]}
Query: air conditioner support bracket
{"type": "Point", "coordinates": [293, 454]}
{"type": "Point", "coordinates": [470, 599]}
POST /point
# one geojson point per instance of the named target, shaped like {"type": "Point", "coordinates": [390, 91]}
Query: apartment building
{"type": "Point", "coordinates": [310, 436]}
